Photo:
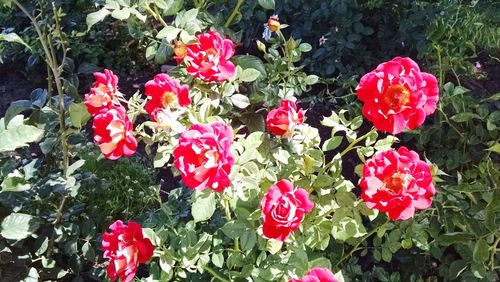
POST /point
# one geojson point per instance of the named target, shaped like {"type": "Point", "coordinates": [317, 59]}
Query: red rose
{"type": "Point", "coordinates": [209, 58]}
{"type": "Point", "coordinates": [126, 248]}
{"type": "Point", "coordinates": [317, 275]}
{"type": "Point", "coordinates": [102, 93]}
{"type": "Point", "coordinates": [397, 95]}
{"type": "Point", "coordinates": [113, 132]}
{"type": "Point", "coordinates": [283, 209]}
{"type": "Point", "coordinates": [397, 182]}
{"type": "Point", "coordinates": [166, 92]}
{"type": "Point", "coordinates": [283, 120]}
{"type": "Point", "coordinates": [203, 156]}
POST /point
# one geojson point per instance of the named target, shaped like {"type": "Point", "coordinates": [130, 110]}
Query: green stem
{"type": "Point", "coordinates": [236, 10]}
{"type": "Point", "coordinates": [155, 15]}
{"type": "Point", "coordinates": [356, 247]}
{"type": "Point", "coordinates": [227, 209]}
{"type": "Point", "coordinates": [215, 274]}
{"type": "Point", "coordinates": [346, 150]}
{"type": "Point", "coordinates": [493, 253]}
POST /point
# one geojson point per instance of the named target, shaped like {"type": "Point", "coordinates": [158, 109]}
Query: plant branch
{"type": "Point", "coordinates": [215, 274]}
{"type": "Point", "coordinates": [236, 10]}
{"type": "Point", "coordinates": [346, 150]}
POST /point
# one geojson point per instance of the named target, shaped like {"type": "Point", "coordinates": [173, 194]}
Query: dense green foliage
{"type": "Point", "coordinates": [54, 207]}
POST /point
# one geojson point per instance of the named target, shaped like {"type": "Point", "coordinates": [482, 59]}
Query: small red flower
{"type": "Point", "coordinates": [113, 132]}
{"type": "Point", "coordinates": [397, 182]}
{"type": "Point", "coordinates": [317, 274]}
{"type": "Point", "coordinates": [283, 120]}
{"type": "Point", "coordinates": [283, 209]}
{"type": "Point", "coordinates": [204, 157]}
{"type": "Point", "coordinates": [125, 247]}
{"type": "Point", "coordinates": [209, 58]}
{"type": "Point", "coordinates": [102, 93]}
{"type": "Point", "coordinates": [397, 95]}
{"type": "Point", "coordinates": [166, 92]}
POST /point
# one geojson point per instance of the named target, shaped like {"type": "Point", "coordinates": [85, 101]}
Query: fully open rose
{"type": "Point", "coordinates": [203, 156]}
{"type": "Point", "coordinates": [126, 248]}
{"type": "Point", "coordinates": [283, 208]}
{"type": "Point", "coordinates": [397, 182]}
{"type": "Point", "coordinates": [113, 132]}
{"type": "Point", "coordinates": [209, 58]}
{"type": "Point", "coordinates": [102, 93]}
{"type": "Point", "coordinates": [284, 119]}
{"type": "Point", "coordinates": [165, 92]}
{"type": "Point", "coordinates": [397, 95]}
{"type": "Point", "coordinates": [317, 275]}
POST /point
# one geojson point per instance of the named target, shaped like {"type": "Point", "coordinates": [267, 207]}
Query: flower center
{"type": "Point", "coordinates": [169, 99]}
{"type": "Point", "coordinates": [397, 95]}
{"type": "Point", "coordinates": [397, 182]}
{"type": "Point", "coordinates": [211, 51]}
{"type": "Point", "coordinates": [273, 24]}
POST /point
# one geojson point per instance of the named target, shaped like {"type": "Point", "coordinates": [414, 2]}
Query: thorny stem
{"type": "Point", "coordinates": [57, 70]}
{"type": "Point", "coordinates": [155, 15]}
{"type": "Point", "coordinates": [215, 274]}
{"type": "Point", "coordinates": [236, 10]}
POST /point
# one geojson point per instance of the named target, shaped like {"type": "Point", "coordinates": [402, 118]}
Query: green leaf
{"type": "Point", "coordinates": [495, 148]}
{"type": "Point", "coordinates": [74, 166]}
{"type": "Point", "coordinates": [481, 251]}
{"type": "Point", "coordinates": [239, 100]}
{"type": "Point", "coordinates": [311, 79]}
{"type": "Point", "coordinates": [234, 229]}
{"type": "Point", "coordinates": [96, 17]}
{"type": "Point", "coordinates": [249, 75]}
{"type": "Point", "coordinates": [248, 239]}
{"type": "Point", "coordinates": [168, 32]}
{"type": "Point", "coordinates": [17, 226]}
{"type": "Point", "coordinates": [463, 117]}
{"type": "Point", "coordinates": [267, 4]}
{"type": "Point", "coordinates": [305, 47]}
{"type": "Point", "coordinates": [15, 182]}
{"type": "Point", "coordinates": [332, 143]}
{"type": "Point", "coordinates": [162, 156]}
{"type": "Point", "coordinates": [16, 108]}
{"type": "Point", "coordinates": [273, 246]}
{"type": "Point", "coordinates": [121, 14]}
{"type": "Point", "coordinates": [218, 259]}
{"type": "Point", "coordinates": [250, 62]}
{"type": "Point", "coordinates": [78, 114]}
{"type": "Point", "coordinates": [17, 134]}
{"type": "Point", "coordinates": [13, 37]}
{"type": "Point", "coordinates": [203, 205]}
{"type": "Point", "coordinates": [456, 268]}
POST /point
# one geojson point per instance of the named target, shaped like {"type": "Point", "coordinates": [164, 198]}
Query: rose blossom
{"type": "Point", "coordinates": [203, 156]}
{"type": "Point", "coordinates": [317, 274]}
{"type": "Point", "coordinates": [165, 92]}
{"type": "Point", "coordinates": [397, 182]}
{"type": "Point", "coordinates": [209, 58]}
{"type": "Point", "coordinates": [126, 248]}
{"type": "Point", "coordinates": [283, 209]}
{"type": "Point", "coordinates": [102, 93]}
{"type": "Point", "coordinates": [113, 132]}
{"type": "Point", "coordinates": [397, 95]}
{"type": "Point", "coordinates": [283, 120]}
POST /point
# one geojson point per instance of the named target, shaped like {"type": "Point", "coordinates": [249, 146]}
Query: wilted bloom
{"type": "Point", "coordinates": [397, 182]}
{"type": "Point", "coordinates": [179, 51]}
{"type": "Point", "coordinates": [283, 208]}
{"type": "Point", "coordinates": [209, 58]}
{"type": "Point", "coordinates": [168, 120]}
{"type": "Point", "coordinates": [272, 25]}
{"type": "Point", "coordinates": [203, 156]}
{"type": "Point", "coordinates": [317, 274]}
{"type": "Point", "coordinates": [166, 92]}
{"type": "Point", "coordinates": [125, 247]}
{"type": "Point", "coordinates": [397, 95]}
{"type": "Point", "coordinates": [113, 133]}
{"type": "Point", "coordinates": [102, 93]}
{"type": "Point", "coordinates": [284, 119]}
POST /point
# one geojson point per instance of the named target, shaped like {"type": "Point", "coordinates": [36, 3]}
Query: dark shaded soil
{"type": "Point", "coordinates": [17, 84]}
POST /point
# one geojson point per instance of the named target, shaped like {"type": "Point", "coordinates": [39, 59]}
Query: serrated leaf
{"type": "Point", "coordinates": [17, 134]}
{"type": "Point", "coordinates": [267, 4]}
{"type": "Point", "coordinates": [17, 226]}
{"type": "Point", "coordinates": [203, 206]}
{"type": "Point", "coordinates": [239, 100]}
{"type": "Point", "coordinates": [481, 251]}
{"type": "Point", "coordinates": [249, 75]}
{"type": "Point", "coordinates": [13, 37]}
{"type": "Point", "coordinates": [78, 114]}
{"type": "Point", "coordinates": [96, 17]}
